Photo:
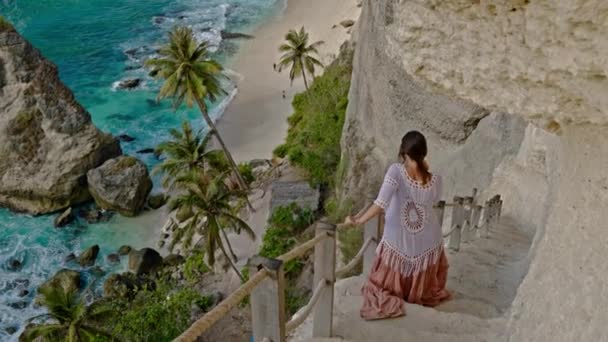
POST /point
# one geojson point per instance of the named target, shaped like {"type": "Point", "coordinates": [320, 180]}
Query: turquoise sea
{"type": "Point", "coordinates": [97, 43]}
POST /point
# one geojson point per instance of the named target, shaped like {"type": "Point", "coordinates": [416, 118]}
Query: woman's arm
{"type": "Point", "coordinates": [373, 211]}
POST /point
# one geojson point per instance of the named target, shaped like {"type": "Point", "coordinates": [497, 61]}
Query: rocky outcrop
{"type": "Point", "coordinates": [121, 184]}
{"type": "Point", "coordinates": [509, 95]}
{"type": "Point", "coordinates": [69, 280]}
{"type": "Point", "coordinates": [47, 139]}
{"type": "Point", "coordinates": [88, 256]}
{"type": "Point", "coordinates": [64, 218]}
{"type": "Point", "coordinates": [145, 260]}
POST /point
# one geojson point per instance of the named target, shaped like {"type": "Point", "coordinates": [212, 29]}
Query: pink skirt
{"type": "Point", "coordinates": [386, 291]}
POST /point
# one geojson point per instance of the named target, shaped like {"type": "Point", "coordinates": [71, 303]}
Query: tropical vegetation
{"type": "Point", "coordinates": [210, 203]}
{"type": "Point", "coordinates": [299, 56]}
{"type": "Point", "coordinates": [73, 321]}
{"type": "Point", "coordinates": [315, 127]}
{"type": "Point", "coordinates": [191, 76]}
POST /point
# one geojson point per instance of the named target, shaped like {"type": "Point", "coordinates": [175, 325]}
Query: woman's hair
{"type": "Point", "coordinates": [413, 145]}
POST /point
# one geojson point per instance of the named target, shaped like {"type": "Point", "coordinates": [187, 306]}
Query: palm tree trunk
{"type": "Point", "coordinates": [236, 270]}
{"type": "Point", "coordinates": [229, 245]}
{"type": "Point", "coordinates": [304, 76]}
{"type": "Point", "coordinates": [203, 108]}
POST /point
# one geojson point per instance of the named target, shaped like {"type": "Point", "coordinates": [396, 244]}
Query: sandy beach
{"type": "Point", "coordinates": [255, 122]}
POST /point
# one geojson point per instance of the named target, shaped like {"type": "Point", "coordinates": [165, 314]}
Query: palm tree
{"type": "Point", "coordinates": [190, 75]}
{"type": "Point", "coordinates": [298, 55]}
{"type": "Point", "coordinates": [187, 152]}
{"type": "Point", "coordinates": [208, 198]}
{"type": "Point", "coordinates": [73, 318]}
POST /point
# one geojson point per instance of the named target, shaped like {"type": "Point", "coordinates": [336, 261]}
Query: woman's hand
{"type": "Point", "coordinates": [350, 221]}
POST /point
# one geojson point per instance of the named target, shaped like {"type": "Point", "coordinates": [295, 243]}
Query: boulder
{"type": "Point", "coordinates": [125, 285]}
{"type": "Point", "coordinates": [173, 260]}
{"type": "Point", "coordinates": [144, 261]}
{"type": "Point", "coordinates": [97, 271]}
{"type": "Point", "coordinates": [300, 192]}
{"type": "Point", "coordinates": [14, 264]}
{"type": "Point", "coordinates": [157, 201]}
{"type": "Point", "coordinates": [129, 83]}
{"type": "Point", "coordinates": [88, 256]}
{"type": "Point", "coordinates": [11, 330]}
{"type": "Point", "coordinates": [113, 258]}
{"type": "Point", "coordinates": [235, 35]}
{"type": "Point", "coordinates": [148, 150]}
{"type": "Point", "coordinates": [347, 23]}
{"type": "Point", "coordinates": [64, 218]}
{"type": "Point", "coordinates": [95, 215]}
{"type": "Point", "coordinates": [121, 184]}
{"type": "Point", "coordinates": [47, 139]}
{"type": "Point", "coordinates": [69, 280]}
{"type": "Point", "coordinates": [124, 250]}
{"type": "Point", "coordinates": [20, 305]}
{"type": "Point", "coordinates": [23, 292]}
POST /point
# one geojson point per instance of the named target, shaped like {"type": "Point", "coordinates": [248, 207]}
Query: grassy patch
{"type": "Point", "coordinates": [315, 127]}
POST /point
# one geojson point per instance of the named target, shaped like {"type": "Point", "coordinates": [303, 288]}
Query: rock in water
{"type": "Point", "coordinates": [144, 261]}
{"type": "Point", "coordinates": [65, 218]}
{"type": "Point", "coordinates": [129, 83]}
{"type": "Point", "coordinates": [124, 250]}
{"type": "Point", "coordinates": [113, 258]}
{"type": "Point", "coordinates": [121, 184]}
{"type": "Point", "coordinates": [47, 140]}
{"type": "Point", "coordinates": [126, 138]}
{"type": "Point", "coordinates": [69, 280]}
{"type": "Point", "coordinates": [88, 257]}
{"type": "Point", "coordinates": [14, 265]}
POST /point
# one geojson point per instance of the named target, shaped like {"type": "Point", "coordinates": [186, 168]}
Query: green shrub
{"type": "Point", "coordinates": [246, 172]}
{"type": "Point", "coordinates": [315, 127]}
{"type": "Point", "coordinates": [285, 223]}
{"type": "Point", "coordinates": [195, 267]}
{"type": "Point", "coordinates": [156, 315]}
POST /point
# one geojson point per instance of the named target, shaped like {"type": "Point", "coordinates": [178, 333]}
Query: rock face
{"type": "Point", "coordinates": [286, 192]}
{"type": "Point", "coordinates": [121, 184]}
{"type": "Point", "coordinates": [47, 140]}
{"type": "Point", "coordinates": [67, 279]}
{"type": "Point", "coordinates": [144, 261]}
{"type": "Point", "coordinates": [509, 95]}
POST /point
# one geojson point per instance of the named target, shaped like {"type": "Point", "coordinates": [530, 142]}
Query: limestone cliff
{"type": "Point", "coordinates": [511, 95]}
{"type": "Point", "coordinates": [47, 140]}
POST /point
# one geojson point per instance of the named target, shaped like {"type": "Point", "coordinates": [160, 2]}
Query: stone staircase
{"type": "Point", "coordinates": [483, 276]}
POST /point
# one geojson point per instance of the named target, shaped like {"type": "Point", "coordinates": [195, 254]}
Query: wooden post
{"type": "Point", "coordinates": [439, 212]}
{"type": "Point", "coordinates": [325, 269]}
{"type": "Point", "coordinates": [475, 220]}
{"type": "Point", "coordinates": [457, 220]}
{"type": "Point", "coordinates": [485, 225]}
{"type": "Point", "coordinates": [268, 301]}
{"type": "Point", "coordinates": [466, 225]}
{"type": "Point", "coordinates": [372, 229]}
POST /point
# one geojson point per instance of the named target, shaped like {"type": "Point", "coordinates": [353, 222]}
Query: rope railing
{"type": "Point", "coordinates": [356, 259]}
{"type": "Point", "coordinates": [211, 317]}
{"type": "Point", "coordinates": [303, 313]}
{"type": "Point", "coordinates": [267, 285]}
{"type": "Point", "coordinates": [303, 248]}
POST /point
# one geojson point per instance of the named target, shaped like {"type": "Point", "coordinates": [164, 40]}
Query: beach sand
{"type": "Point", "coordinates": [255, 122]}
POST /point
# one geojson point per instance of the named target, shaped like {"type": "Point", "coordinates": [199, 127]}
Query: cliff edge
{"type": "Point", "coordinates": [47, 140]}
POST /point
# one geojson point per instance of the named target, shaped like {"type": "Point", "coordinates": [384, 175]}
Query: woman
{"type": "Point", "coordinates": [410, 261]}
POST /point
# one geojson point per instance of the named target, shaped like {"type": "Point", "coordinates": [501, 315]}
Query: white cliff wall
{"type": "Point", "coordinates": [452, 69]}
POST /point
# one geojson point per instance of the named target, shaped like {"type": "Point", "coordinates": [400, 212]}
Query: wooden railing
{"type": "Point", "coordinates": [266, 286]}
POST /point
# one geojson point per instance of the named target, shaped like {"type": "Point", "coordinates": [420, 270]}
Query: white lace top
{"type": "Point", "coordinates": [412, 237]}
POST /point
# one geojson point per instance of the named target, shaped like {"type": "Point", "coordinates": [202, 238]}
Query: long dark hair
{"type": "Point", "coordinates": [413, 145]}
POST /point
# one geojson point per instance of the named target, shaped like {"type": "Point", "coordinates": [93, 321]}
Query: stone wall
{"type": "Point", "coordinates": [540, 68]}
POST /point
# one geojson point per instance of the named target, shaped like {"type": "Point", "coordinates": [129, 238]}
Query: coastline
{"type": "Point", "coordinates": [255, 121]}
